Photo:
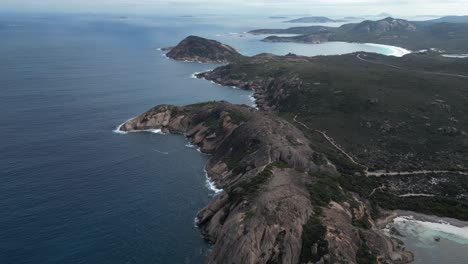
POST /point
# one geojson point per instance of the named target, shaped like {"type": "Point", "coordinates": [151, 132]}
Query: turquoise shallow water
{"type": "Point", "coordinates": [420, 236]}
{"type": "Point", "coordinates": [72, 190]}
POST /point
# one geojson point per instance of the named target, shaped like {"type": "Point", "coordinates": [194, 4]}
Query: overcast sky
{"type": "Point", "coordinates": [264, 7]}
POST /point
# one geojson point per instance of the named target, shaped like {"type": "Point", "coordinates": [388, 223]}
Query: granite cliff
{"type": "Point", "coordinates": [267, 212]}
{"type": "Point", "coordinates": [294, 193]}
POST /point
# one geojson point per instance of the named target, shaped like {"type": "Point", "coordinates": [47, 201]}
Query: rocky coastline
{"type": "Point", "coordinates": [266, 173]}
{"type": "Point", "coordinates": [286, 197]}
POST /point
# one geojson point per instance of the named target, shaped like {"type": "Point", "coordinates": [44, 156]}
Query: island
{"type": "Point", "coordinates": [337, 144]}
{"type": "Point", "coordinates": [314, 19]}
{"type": "Point", "coordinates": [204, 50]}
{"type": "Point", "coordinates": [449, 37]}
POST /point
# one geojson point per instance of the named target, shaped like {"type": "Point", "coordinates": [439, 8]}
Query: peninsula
{"type": "Point", "coordinates": [449, 37]}
{"type": "Point", "coordinates": [337, 141]}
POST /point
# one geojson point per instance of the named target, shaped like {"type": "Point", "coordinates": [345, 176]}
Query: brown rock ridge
{"type": "Point", "coordinates": [265, 166]}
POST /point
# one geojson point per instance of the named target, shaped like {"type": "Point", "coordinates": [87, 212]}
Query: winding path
{"type": "Point", "coordinates": [359, 57]}
{"type": "Point", "coordinates": [378, 173]}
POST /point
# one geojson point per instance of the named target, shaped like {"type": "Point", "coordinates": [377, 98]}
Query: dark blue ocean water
{"type": "Point", "coordinates": [71, 190]}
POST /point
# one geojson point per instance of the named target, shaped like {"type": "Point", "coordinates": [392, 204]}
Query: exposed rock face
{"type": "Point", "coordinates": [203, 50]}
{"type": "Point", "coordinates": [265, 166]}
{"type": "Point", "coordinates": [388, 24]}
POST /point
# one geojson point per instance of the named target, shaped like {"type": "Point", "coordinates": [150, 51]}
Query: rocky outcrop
{"type": "Point", "coordinates": [265, 166]}
{"type": "Point", "coordinates": [203, 50]}
{"type": "Point", "coordinates": [386, 25]}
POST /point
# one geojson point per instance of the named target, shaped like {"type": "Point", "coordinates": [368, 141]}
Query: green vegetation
{"type": "Point", "coordinates": [247, 190]}
{"type": "Point", "coordinates": [361, 223]}
{"type": "Point", "coordinates": [325, 189]}
{"type": "Point", "coordinates": [440, 206]}
{"type": "Point", "coordinates": [451, 37]}
{"type": "Point", "coordinates": [364, 255]}
{"type": "Point", "coordinates": [314, 245]}
{"type": "Point", "coordinates": [388, 118]}
{"type": "Point", "coordinates": [281, 165]}
{"type": "Point", "coordinates": [237, 117]}
{"type": "Point", "coordinates": [234, 165]}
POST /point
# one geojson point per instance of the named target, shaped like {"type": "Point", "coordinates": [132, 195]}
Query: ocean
{"type": "Point", "coordinates": [73, 191]}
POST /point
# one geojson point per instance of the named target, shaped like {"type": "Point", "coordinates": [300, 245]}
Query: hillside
{"type": "Point", "coordinates": [277, 188]}
{"type": "Point", "coordinates": [199, 49]}
{"type": "Point", "coordinates": [336, 142]}
{"type": "Point", "coordinates": [447, 19]}
{"type": "Point", "coordinates": [449, 37]}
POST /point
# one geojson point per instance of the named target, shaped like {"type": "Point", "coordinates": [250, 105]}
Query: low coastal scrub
{"type": "Point", "coordinates": [364, 255]}
{"type": "Point", "coordinates": [314, 245]}
{"type": "Point", "coordinates": [325, 189]}
{"type": "Point", "coordinates": [247, 190]}
{"type": "Point", "coordinates": [440, 206]}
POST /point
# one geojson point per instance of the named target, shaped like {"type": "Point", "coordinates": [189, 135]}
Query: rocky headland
{"type": "Point", "coordinates": [203, 50]}
{"type": "Point", "coordinates": [274, 207]}
{"type": "Point", "coordinates": [336, 142]}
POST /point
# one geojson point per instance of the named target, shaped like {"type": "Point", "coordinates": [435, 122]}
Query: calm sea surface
{"type": "Point", "coordinates": [72, 191]}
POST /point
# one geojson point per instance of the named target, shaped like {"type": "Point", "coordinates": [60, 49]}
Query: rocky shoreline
{"type": "Point", "coordinates": [286, 198]}
{"type": "Point", "coordinates": [266, 205]}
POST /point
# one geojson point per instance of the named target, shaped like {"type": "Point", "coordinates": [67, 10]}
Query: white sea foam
{"type": "Point", "coordinates": [254, 102]}
{"type": "Point", "coordinates": [194, 75]}
{"type": "Point", "coordinates": [458, 56]}
{"type": "Point", "coordinates": [210, 184]}
{"type": "Point", "coordinates": [426, 231]}
{"type": "Point", "coordinates": [396, 51]}
{"type": "Point", "coordinates": [161, 152]}
{"type": "Point", "coordinates": [189, 145]}
{"type": "Point", "coordinates": [118, 131]}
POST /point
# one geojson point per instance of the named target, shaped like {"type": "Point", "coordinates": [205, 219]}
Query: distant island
{"type": "Point", "coordinates": [353, 18]}
{"type": "Point", "coordinates": [449, 37]}
{"type": "Point", "coordinates": [337, 142]}
{"type": "Point", "coordinates": [278, 17]}
{"type": "Point", "coordinates": [313, 19]}
{"type": "Point", "coordinates": [448, 19]}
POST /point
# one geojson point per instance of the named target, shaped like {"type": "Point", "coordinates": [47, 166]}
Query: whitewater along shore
{"type": "Point", "coordinates": [268, 171]}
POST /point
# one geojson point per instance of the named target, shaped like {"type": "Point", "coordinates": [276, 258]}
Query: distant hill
{"type": "Point", "coordinates": [350, 18]}
{"type": "Point", "coordinates": [314, 19]}
{"type": "Point", "coordinates": [295, 30]}
{"type": "Point", "coordinates": [448, 19]}
{"type": "Point", "coordinates": [278, 17]}
{"type": "Point", "coordinates": [450, 37]}
{"type": "Point", "coordinates": [388, 24]}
